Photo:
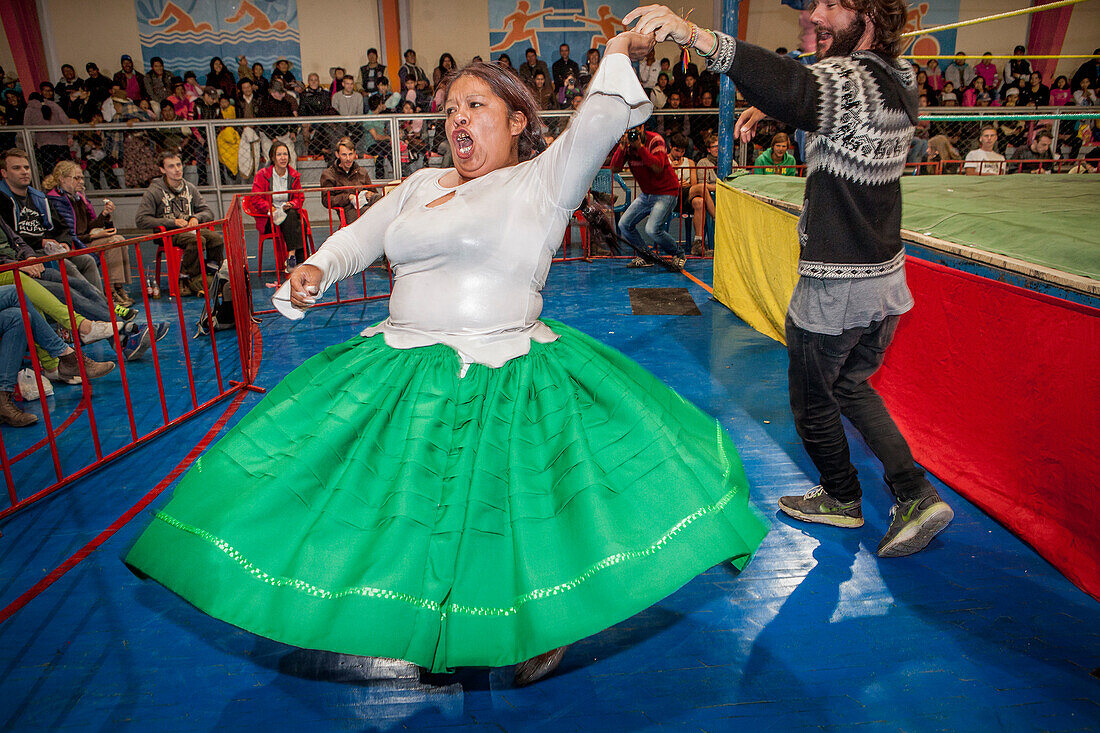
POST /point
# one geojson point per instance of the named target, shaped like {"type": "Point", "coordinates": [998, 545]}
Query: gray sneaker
{"type": "Point", "coordinates": [913, 524]}
{"type": "Point", "coordinates": [639, 262]}
{"type": "Point", "coordinates": [679, 261]}
{"type": "Point", "coordinates": [818, 507]}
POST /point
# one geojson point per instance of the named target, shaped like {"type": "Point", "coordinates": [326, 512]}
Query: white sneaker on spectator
{"type": "Point", "coordinates": [100, 330]}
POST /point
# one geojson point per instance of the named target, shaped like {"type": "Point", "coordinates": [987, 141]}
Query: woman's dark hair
{"type": "Point", "coordinates": [517, 97]}
{"type": "Point", "coordinates": [447, 57]}
{"type": "Point", "coordinates": [219, 60]}
{"type": "Point", "coordinates": [154, 60]}
{"type": "Point", "coordinates": [505, 57]}
{"type": "Point", "coordinates": [274, 148]}
{"type": "Point", "coordinates": [1062, 79]}
{"type": "Point", "coordinates": [888, 17]}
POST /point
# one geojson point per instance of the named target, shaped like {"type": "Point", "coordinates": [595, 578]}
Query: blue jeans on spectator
{"type": "Point", "coordinates": [13, 338]}
{"type": "Point", "coordinates": [828, 377]}
{"type": "Point", "coordinates": [87, 301]}
{"type": "Point", "coordinates": [656, 227]}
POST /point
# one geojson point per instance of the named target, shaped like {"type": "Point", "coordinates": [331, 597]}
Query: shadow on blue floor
{"type": "Point", "coordinates": [975, 633]}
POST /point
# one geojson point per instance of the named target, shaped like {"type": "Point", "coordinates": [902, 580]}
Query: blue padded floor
{"type": "Point", "coordinates": [976, 633]}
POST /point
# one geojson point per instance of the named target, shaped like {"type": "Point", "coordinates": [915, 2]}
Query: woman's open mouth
{"type": "Point", "coordinates": [463, 144]}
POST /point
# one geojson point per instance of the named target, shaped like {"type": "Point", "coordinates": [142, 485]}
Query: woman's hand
{"type": "Point", "coordinates": [660, 22]}
{"type": "Point", "coordinates": [305, 284]}
{"type": "Point", "coordinates": [108, 207]}
{"type": "Point", "coordinates": [635, 45]}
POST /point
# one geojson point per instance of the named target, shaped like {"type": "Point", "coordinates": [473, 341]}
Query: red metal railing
{"type": "Point", "coordinates": [62, 436]}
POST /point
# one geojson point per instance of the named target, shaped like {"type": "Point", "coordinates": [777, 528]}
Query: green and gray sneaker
{"type": "Point", "coordinates": [818, 507]}
{"type": "Point", "coordinates": [913, 524]}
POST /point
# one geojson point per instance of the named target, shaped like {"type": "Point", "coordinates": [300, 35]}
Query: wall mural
{"type": "Point", "coordinates": [516, 25]}
{"type": "Point", "coordinates": [188, 33]}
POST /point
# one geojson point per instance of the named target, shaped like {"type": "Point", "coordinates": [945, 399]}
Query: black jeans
{"type": "Point", "coordinates": [828, 378]}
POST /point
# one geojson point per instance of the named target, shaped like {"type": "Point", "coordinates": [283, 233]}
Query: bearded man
{"type": "Point", "coordinates": [858, 103]}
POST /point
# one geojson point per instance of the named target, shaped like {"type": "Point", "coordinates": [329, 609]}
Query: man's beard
{"type": "Point", "coordinates": [844, 40]}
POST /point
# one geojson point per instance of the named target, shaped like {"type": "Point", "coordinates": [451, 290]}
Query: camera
{"type": "Point", "coordinates": [633, 135]}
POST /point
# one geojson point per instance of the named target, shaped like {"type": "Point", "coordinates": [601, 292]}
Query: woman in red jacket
{"type": "Point", "coordinates": [284, 207]}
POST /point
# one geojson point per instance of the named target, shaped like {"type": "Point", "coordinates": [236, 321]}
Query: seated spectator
{"type": "Point", "coordinates": [191, 87]}
{"type": "Point", "coordinates": [1036, 92]}
{"type": "Point", "coordinates": [277, 103]}
{"type": "Point", "coordinates": [409, 68]}
{"type": "Point", "coordinates": [411, 95]}
{"type": "Point", "coordinates": [49, 147]}
{"type": "Point", "coordinates": [987, 71]}
{"type": "Point", "coordinates": [412, 135]}
{"type": "Point", "coordinates": [390, 98]}
{"type": "Point", "coordinates": [173, 203]}
{"type": "Point", "coordinates": [206, 106]}
{"type": "Point", "coordinates": [1084, 95]}
{"type": "Point", "coordinates": [13, 345]}
{"type": "Point", "coordinates": [14, 107]}
{"type": "Point", "coordinates": [28, 213]}
{"type": "Point", "coordinates": [446, 66]}
{"type": "Point", "coordinates": [130, 80]}
{"type": "Point", "coordinates": [248, 102]}
{"type": "Point", "coordinates": [345, 171]}
{"type": "Point", "coordinates": [1018, 70]}
{"type": "Point", "coordinates": [68, 81]}
{"type": "Point", "coordinates": [567, 92]}
{"type": "Point", "coordinates": [158, 84]}
{"type": "Point", "coordinates": [187, 140]}
{"type": "Point", "coordinates": [689, 92]}
{"type": "Point", "coordinates": [378, 136]}
{"type": "Point", "coordinates": [591, 64]}
{"type": "Point", "coordinates": [229, 144]}
{"type": "Point", "coordinates": [972, 92]}
{"type": "Point", "coordinates": [985, 161]}
{"type": "Point", "coordinates": [531, 66]}
{"type": "Point", "coordinates": [777, 159]}
{"type": "Point", "coordinates": [372, 71]}
{"type": "Point", "coordinates": [685, 170]}
{"type": "Point", "coordinates": [337, 73]}
{"type": "Point", "coordinates": [703, 126]}
{"type": "Point", "coordinates": [65, 190]}
{"type": "Point", "coordinates": [315, 101]}
{"type": "Point", "coordinates": [283, 73]}
{"type": "Point", "coordinates": [284, 207]}
{"type": "Point", "coordinates": [347, 101]}
{"type": "Point", "coordinates": [178, 100]}
{"type": "Point", "coordinates": [99, 163]}
{"type": "Point", "coordinates": [948, 99]}
{"type": "Point", "coordinates": [659, 93]}
{"type": "Point", "coordinates": [98, 86]}
{"type": "Point", "coordinates": [564, 67]}
{"type": "Point", "coordinates": [959, 73]}
{"type": "Point", "coordinates": [935, 75]}
{"type": "Point", "coordinates": [942, 148]}
{"type": "Point", "coordinates": [254, 73]}
{"type": "Point", "coordinates": [14, 249]}
{"type": "Point", "coordinates": [544, 95]}
{"type": "Point", "coordinates": [1034, 154]}
{"type": "Point", "coordinates": [672, 124]}
{"type": "Point", "coordinates": [1060, 93]}
{"type": "Point", "coordinates": [222, 78]}
{"type": "Point", "coordinates": [702, 193]}
{"type": "Point", "coordinates": [1090, 69]}
{"type": "Point", "coordinates": [504, 61]}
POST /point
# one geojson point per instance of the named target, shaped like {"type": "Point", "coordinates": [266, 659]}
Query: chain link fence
{"type": "Point", "coordinates": [222, 156]}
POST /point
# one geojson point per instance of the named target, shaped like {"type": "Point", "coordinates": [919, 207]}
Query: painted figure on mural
{"type": "Point", "coordinates": [519, 32]}
{"type": "Point", "coordinates": [608, 24]}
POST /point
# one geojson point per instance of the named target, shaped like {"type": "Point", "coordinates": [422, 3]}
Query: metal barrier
{"type": "Point", "coordinates": [122, 415]}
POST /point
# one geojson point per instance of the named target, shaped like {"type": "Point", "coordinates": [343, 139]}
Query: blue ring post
{"type": "Point", "coordinates": [727, 96]}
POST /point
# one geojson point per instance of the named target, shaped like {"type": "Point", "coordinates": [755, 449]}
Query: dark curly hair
{"type": "Point", "coordinates": [517, 97]}
{"type": "Point", "coordinates": [889, 18]}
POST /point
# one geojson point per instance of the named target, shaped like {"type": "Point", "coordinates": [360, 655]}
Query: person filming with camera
{"type": "Point", "coordinates": [646, 154]}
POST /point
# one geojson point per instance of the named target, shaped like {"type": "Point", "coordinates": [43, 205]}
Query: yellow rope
{"type": "Point", "coordinates": [986, 19]}
{"type": "Point", "coordinates": [975, 56]}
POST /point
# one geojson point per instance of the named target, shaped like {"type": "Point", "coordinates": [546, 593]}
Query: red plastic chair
{"type": "Point", "coordinates": [278, 244]}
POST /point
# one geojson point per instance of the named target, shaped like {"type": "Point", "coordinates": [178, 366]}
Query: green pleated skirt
{"type": "Point", "coordinates": [375, 503]}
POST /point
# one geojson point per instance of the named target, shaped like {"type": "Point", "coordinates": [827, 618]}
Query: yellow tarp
{"type": "Point", "coordinates": [755, 259]}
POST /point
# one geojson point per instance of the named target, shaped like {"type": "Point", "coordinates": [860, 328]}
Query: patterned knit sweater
{"type": "Point", "coordinates": [859, 111]}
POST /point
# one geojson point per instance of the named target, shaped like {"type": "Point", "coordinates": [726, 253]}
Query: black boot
{"type": "Point", "coordinates": [535, 668]}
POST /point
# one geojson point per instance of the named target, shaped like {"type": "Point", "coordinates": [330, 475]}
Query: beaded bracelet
{"type": "Point", "coordinates": [713, 50]}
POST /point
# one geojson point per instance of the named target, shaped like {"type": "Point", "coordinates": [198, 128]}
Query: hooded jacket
{"type": "Point", "coordinates": [160, 205]}
{"type": "Point", "coordinates": [9, 212]}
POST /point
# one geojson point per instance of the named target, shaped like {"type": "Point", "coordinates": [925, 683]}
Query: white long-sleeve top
{"type": "Point", "coordinates": [468, 272]}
